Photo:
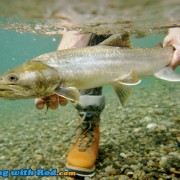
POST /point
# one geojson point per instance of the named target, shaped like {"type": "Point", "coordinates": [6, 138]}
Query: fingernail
{"type": "Point", "coordinates": [40, 106]}
{"type": "Point", "coordinates": [53, 98]}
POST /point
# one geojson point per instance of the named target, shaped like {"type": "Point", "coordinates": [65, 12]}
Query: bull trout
{"type": "Point", "coordinates": [65, 72]}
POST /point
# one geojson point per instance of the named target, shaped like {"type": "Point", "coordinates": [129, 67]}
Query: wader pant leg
{"type": "Point", "coordinates": [92, 101]}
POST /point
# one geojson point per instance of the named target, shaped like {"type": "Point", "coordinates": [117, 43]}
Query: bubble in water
{"type": "Point", "coordinates": [53, 39]}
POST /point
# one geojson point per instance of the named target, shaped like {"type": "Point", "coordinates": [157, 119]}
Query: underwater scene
{"type": "Point", "coordinates": [139, 141]}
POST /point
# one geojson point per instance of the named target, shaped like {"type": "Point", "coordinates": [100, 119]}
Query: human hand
{"type": "Point", "coordinates": [173, 39]}
{"type": "Point", "coordinates": [69, 40]}
{"type": "Point", "coordinates": [52, 101]}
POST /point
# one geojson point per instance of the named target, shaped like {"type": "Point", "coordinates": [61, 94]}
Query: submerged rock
{"type": "Point", "coordinates": [152, 126]}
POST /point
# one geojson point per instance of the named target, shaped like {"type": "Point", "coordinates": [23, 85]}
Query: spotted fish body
{"type": "Point", "coordinates": [97, 66]}
{"type": "Point", "coordinates": [66, 72]}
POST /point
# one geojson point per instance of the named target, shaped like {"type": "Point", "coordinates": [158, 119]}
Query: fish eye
{"type": "Point", "coordinates": [12, 77]}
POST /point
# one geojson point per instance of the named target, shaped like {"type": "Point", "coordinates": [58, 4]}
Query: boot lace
{"type": "Point", "coordinates": [86, 136]}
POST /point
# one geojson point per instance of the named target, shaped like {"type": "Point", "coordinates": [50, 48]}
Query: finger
{"type": "Point", "coordinates": [39, 103]}
{"type": "Point", "coordinates": [176, 59]}
{"type": "Point", "coordinates": [168, 40]}
{"type": "Point", "coordinates": [173, 38]}
{"type": "Point", "coordinates": [53, 101]}
{"type": "Point", "coordinates": [63, 101]}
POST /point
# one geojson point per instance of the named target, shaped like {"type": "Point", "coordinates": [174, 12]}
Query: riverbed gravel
{"type": "Point", "coordinates": [140, 141]}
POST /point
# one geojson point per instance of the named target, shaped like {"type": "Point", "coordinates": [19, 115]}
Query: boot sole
{"type": "Point", "coordinates": [81, 171]}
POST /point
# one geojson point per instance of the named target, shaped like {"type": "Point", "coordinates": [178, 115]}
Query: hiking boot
{"type": "Point", "coordinates": [82, 157]}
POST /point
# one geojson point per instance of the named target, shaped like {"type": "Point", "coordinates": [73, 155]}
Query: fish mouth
{"type": "Point", "coordinates": [5, 90]}
{"type": "Point", "coordinates": [13, 91]}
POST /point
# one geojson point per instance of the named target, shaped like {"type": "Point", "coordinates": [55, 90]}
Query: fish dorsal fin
{"type": "Point", "coordinates": [168, 74]}
{"type": "Point", "coordinates": [130, 79]}
{"type": "Point", "coordinates": [117, 40]}
{"type": "Point", "coordinates": [70, 93]}
{"type": "Point", "coordinates": [122, 92]}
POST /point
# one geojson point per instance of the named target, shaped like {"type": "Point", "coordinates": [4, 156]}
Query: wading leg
{"type": "Point", "coordinates": [82, 157]}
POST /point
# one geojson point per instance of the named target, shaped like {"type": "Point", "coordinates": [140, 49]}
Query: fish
{"type": "Point", "coordinates": [66, 72]}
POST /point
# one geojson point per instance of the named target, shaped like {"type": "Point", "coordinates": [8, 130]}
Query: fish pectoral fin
{"type": "Point", "coordinates": [70, 93]}
{"type": "Point", "coordinates": [122, 92]}
{"type": "Point", "coordinates": [168, 74]}
{"type": "Point", "coordinates": [130, 79]}
{"type": "Point", "coordinates": [117, 40]}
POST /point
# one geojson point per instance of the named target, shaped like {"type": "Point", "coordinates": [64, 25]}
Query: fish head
{"type": "Point", "coordinates": [31, 79]}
